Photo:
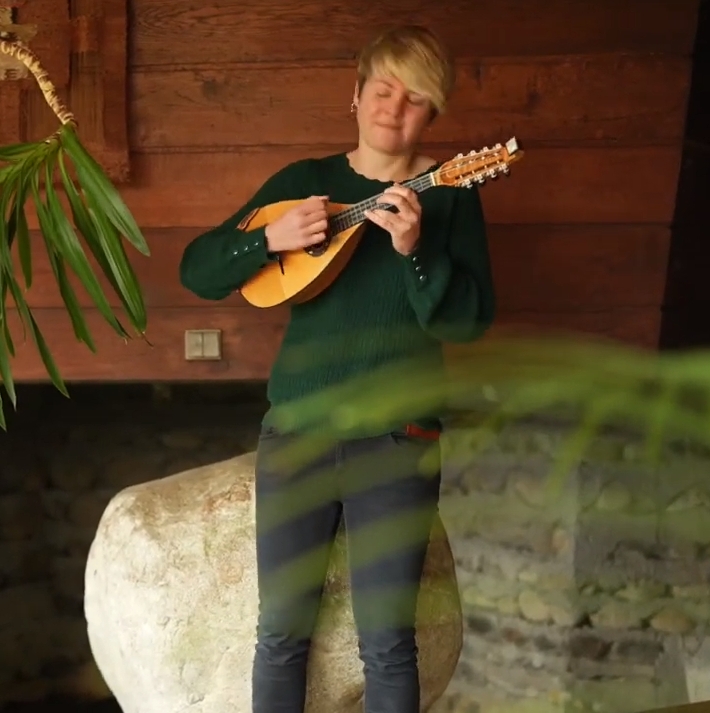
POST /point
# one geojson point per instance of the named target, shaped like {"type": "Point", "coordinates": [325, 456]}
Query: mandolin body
{"type": "Point", "coordinates": [299, 276]}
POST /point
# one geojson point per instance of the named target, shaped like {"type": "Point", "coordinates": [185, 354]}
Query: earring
{"type": "Point", "coordinates": [353, 108]}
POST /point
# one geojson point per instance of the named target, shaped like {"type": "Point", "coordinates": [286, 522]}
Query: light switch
{"type": "Point", "coordinates": [211, 344]}
{"type": "Point", "coordinates": [203, 344]}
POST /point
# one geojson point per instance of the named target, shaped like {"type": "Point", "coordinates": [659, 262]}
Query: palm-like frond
{"type": "Point", "coordinates": [588, 384]}
{"type": "Point", "coordinates": [94, 222]}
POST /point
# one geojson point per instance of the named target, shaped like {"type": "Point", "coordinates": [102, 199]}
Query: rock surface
{"type": "Point", "coordinates": [171, 602]}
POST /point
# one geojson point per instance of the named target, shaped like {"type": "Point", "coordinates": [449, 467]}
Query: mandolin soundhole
{"type": "Point", "coordinates": [320, 248]}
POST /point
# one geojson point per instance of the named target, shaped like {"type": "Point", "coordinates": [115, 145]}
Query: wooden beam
{"type": "Point", "coordinates": [52, 42]}
{"type": "Point", "coordinates": [249, 344]}
{"type": "Point", "coordinates": [11, 94]}
{"type": "Point", "coordinates": [615, 98]}
{"type": "Point", "coordinates": [250, 340]}
{"type": "Point", "coordinates": [279, 29]}
{"type": "Point", "coordinates": [536, 268]}
{"type": "Point", "coordinates": [550, 185]}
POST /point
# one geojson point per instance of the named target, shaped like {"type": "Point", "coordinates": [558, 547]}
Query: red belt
{"type": "Point", "coordinates": [417, 432]}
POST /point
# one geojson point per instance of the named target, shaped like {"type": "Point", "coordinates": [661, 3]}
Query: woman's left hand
{"type": "Point", "coordinates": [403, 226]}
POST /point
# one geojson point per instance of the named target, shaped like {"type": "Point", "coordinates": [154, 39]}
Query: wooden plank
{"type": "Point", "coordinates": [578, 267]}
{"type": "Point", "coordinates": [278, 29]}
{"type": "Point", "coordinates": [550, 185]}
{"type": "Point", "coordinates": [99, 82]}
{"type": "Point", "coordinates": [97, 88]}
{"type": "Point", "coordinates": [115, 154]}
{"type": "Point", "coordinates": [636, 326]}
{"type": "Point", "coordinates": [615, 98]}
{"type": "Point", "coordinates": [52, 43]}
{"type": "Point", "coordinates": [11, 95]}
{"type": "Point", "coordinates": [249, 343]}
{"type": "Point", "coordinates": [536, 268]}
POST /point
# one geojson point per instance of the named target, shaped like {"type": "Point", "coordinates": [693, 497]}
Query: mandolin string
{"type": "Point", "coordinates": [357, 210]}
{"type": "Point", "coordinates": [354, 213]}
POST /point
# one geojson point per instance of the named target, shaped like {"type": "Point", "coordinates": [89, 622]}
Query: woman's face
{"type": "Point", "coordinates": [390, 117]}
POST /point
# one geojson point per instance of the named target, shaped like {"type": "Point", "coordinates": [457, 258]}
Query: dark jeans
{"type": "Point", "coordinates": [388, 505]}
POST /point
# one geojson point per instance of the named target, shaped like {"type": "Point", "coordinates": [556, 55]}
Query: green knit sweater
{"type": "Point", "coordinates": [382, 315]}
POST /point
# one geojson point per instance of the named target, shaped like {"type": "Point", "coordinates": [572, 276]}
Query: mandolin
{"type": "Point", "coordinates": [300, 275]}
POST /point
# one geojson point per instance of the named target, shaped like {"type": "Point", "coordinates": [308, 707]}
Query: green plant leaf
{"type": "Point", "coordinates": [99, 215]}
{"type": "Point", "coordinates": [6, 350]}
{"type": "Point", "coordinates": [64, 241]}
{"type": "Point", "coordinates": [4, 173]}
{"type": "Point", "coordinates": [38, 339]}
{"type": "Point", "coordinates": [20, 230]}
{"type": "Point", "coordinates": [76, 316]}
{"type": "Point", "coordinates": [6, 267]}
{"type": "Point", "coordinates": [16, 152]}
{"type": "Point", "coordinates": [6, 373]}
{"type": "Point", "coordinates": [102, 192]}
{"type": "Point", "coordinates": [111, 268]}
{"type": "Point", "coordinates": [110, 243]}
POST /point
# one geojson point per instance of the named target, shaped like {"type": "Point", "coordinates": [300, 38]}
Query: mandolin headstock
{"type": "Point", "coordinates": [478, 166]}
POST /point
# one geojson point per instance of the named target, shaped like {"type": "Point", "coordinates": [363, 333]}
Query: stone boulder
{"type": "Point", "coordinates": [171, 602]}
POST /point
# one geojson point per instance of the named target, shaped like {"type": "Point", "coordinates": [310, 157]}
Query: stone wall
{"type": "Point", "coordinates": [597, 601]}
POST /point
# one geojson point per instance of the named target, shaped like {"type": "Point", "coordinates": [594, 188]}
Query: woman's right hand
{"type": "Point", "coordinates": [301, 226]}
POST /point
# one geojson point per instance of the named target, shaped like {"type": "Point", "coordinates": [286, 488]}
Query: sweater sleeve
{"type": "Point", "coordinates": [218, 262]}
{"type": "Point", "coordinates": [451, 289]}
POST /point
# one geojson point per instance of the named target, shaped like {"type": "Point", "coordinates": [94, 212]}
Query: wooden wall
{"type": "Point", "coordinates": [224, 93]}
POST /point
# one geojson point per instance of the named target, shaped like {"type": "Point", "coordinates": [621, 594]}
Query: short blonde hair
{"type": "Point", "coordinates": [416, 57]}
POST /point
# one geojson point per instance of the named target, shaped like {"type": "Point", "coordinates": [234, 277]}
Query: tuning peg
{"type": "Point", "coordinates": [459, 155]}
{"type": "Point", "coordinates": [505, 169]}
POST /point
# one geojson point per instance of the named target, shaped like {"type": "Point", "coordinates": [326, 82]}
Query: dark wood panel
{"type": "Point", "coordinates": [11, 119]}
{"type": "Point", "coordinates": [578, 267]}
{"type": "Point", "coordinates": [97, 88]}
{"type": "Point", "coordinates": [687, 279]}
{"type": "Point", "coordinates": [617, 98]}
{"type": "Point", "coordinates": [687, 299]}
{"type": "Point", "coordinates": [635, 326]}
{"type": "Point", "coordinates": [537, 267]}
{"type": "Point", "coordinates": [550, 185]}
{"type": "Point", "coordinates": [177, 31]}
{"type": "Point", "coordinates": [249, 344]}
{"type": "Point", "coordinates": [685, 326]}
{"type": "Point", "coordinates": [52, 42]}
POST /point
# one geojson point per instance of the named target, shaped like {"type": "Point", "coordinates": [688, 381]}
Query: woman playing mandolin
{"type": "Point", "coordinates": [420, 276]}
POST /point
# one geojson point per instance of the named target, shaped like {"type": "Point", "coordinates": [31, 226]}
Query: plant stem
{"type": "Point", "coordinates": [24, 54]}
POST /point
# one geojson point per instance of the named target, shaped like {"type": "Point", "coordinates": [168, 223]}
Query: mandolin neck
{"type": "Point", "coordinates": [355, 214]}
